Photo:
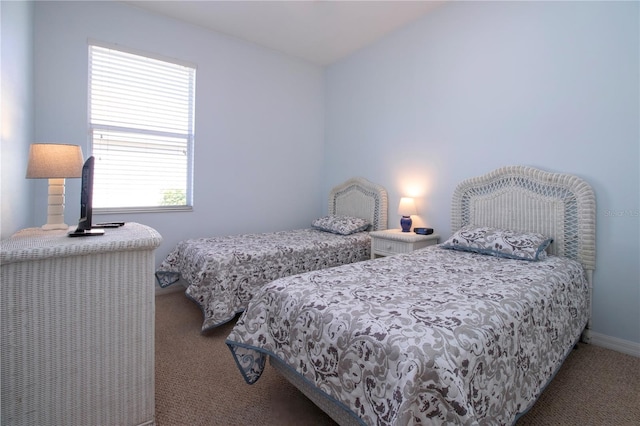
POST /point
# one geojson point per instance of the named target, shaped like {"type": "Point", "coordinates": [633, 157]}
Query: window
{"type": "Point", "coordinates": [141, 122]}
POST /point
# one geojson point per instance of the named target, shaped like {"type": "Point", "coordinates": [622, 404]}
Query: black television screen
{"type": "Point", "coordinates": [86, 202]}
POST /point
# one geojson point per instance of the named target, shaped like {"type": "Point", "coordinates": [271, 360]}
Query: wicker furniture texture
{"type": "Point", "coordinates": [394, 241]}
{"type": "Point", "coordinates": [521, 198]}
{"type": "Point", "coordinates": [78, 327]}
{"type": "Point", "coordinates": [360, 198]}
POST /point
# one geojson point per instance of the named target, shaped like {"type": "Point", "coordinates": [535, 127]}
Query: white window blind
{"type": "Point", "coordinates": [141, 123]}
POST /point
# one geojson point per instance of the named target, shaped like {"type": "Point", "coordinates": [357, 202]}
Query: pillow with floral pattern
{"type": "Point", "coordinates": [343, 225]}
{"type": "Point", "coordinates": [500, 242]}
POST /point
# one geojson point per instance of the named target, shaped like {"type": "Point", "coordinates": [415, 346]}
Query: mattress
{"type": "Point", "coordinates": [434, 336]}
{"type": "Point", "coordinates": [223, 273]}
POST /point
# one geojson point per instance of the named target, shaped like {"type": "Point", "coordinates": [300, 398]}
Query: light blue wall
{"type": "Point", "coordinates": [259, 118]}
{"type": "Point", "coordinates": [479, 85]}
{"type": "Point", "coordinates": [469, 88]}
{"type": "Point", "coordinates": [17, 115]}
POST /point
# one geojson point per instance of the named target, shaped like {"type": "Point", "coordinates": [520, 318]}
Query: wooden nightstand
{"type": "Point", "coordinates": [394, 241]}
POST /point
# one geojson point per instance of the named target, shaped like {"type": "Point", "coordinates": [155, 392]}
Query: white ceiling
{"type": "Point", "coordinates": [320, 31]}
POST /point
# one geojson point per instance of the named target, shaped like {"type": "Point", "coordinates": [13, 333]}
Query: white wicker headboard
{"type": "Point", "coordinates": [359, 197]}
{"type": "Point", "coordinates": [521, 198]}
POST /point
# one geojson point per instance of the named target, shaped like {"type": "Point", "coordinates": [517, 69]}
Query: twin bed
{"type": "Point", "coordinates": [466, 332]}
{"type": "Point", "coordinates": [223, 273]}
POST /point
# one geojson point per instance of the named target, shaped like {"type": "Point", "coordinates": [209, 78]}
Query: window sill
{"type": "Point", "coordinates": [156, 209]}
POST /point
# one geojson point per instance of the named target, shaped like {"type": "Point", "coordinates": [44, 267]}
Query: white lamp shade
{"type": "Point", "coordinates": [407, 207]}
{"type": "Point", "coordinates": [49, 160]}
{"type": "Point", "coordinates": [55, 162]}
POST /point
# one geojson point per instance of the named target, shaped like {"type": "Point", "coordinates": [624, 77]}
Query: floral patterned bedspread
{"type": "Point", "coordinates": [223, 273]}
{"type": "Point", "coordinates": [430, 337]}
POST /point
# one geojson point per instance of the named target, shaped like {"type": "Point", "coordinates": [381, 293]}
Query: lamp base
{"type": "Point", "coordinates": [55, 206]}
{"type": "Point", "coordinates": [405, 223]}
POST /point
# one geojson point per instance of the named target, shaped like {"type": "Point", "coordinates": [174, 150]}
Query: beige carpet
{"type": "Point", "coordinates": [198, 383]}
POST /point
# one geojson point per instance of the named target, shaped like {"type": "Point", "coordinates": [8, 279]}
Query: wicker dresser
{"type": "Point", "coordinates": [78, 327]}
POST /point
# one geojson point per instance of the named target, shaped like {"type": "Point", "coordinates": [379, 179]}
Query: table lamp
{"type": "Point", "coordinates": [54, 162]}
{"type": "Point", "coordinates": [406, 208]}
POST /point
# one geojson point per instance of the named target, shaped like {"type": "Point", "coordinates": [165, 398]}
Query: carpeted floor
{"type": "Point", "coordinates": [198, 383]}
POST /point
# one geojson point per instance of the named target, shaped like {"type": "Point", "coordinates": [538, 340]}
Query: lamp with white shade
{"type": "Point", "coordinates": [406, 208]}
{"type": "Point", "coordinates": [55, 162]}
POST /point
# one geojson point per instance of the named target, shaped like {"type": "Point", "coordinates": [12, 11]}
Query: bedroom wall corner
{"type": "Point", "coordinates": [474, 86]}
{"type": "Point", "coordinates": [258, 124]}
{"type": "Point", "coordinates": [16, 92]}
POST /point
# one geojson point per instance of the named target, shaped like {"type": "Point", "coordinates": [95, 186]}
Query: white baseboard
{"type": "Point", "coordinates": [625, 346]}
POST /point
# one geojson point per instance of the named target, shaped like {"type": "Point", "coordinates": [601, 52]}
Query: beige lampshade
{"type": "Point", "coordinates": [407, 207]}
{"type": "Point", "coordinates": [49, 160]}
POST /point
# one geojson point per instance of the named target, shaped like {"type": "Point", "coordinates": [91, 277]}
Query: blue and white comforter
{"type": "Point", "coordinates": [223, 273]}
{"type": "Point", "coordinates": [430, 337]}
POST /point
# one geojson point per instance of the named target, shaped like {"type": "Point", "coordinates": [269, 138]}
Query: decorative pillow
{"type": "Point", "coordinates": [343, 225]}
{"type": "Point", "coordinates": [500, 242]}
